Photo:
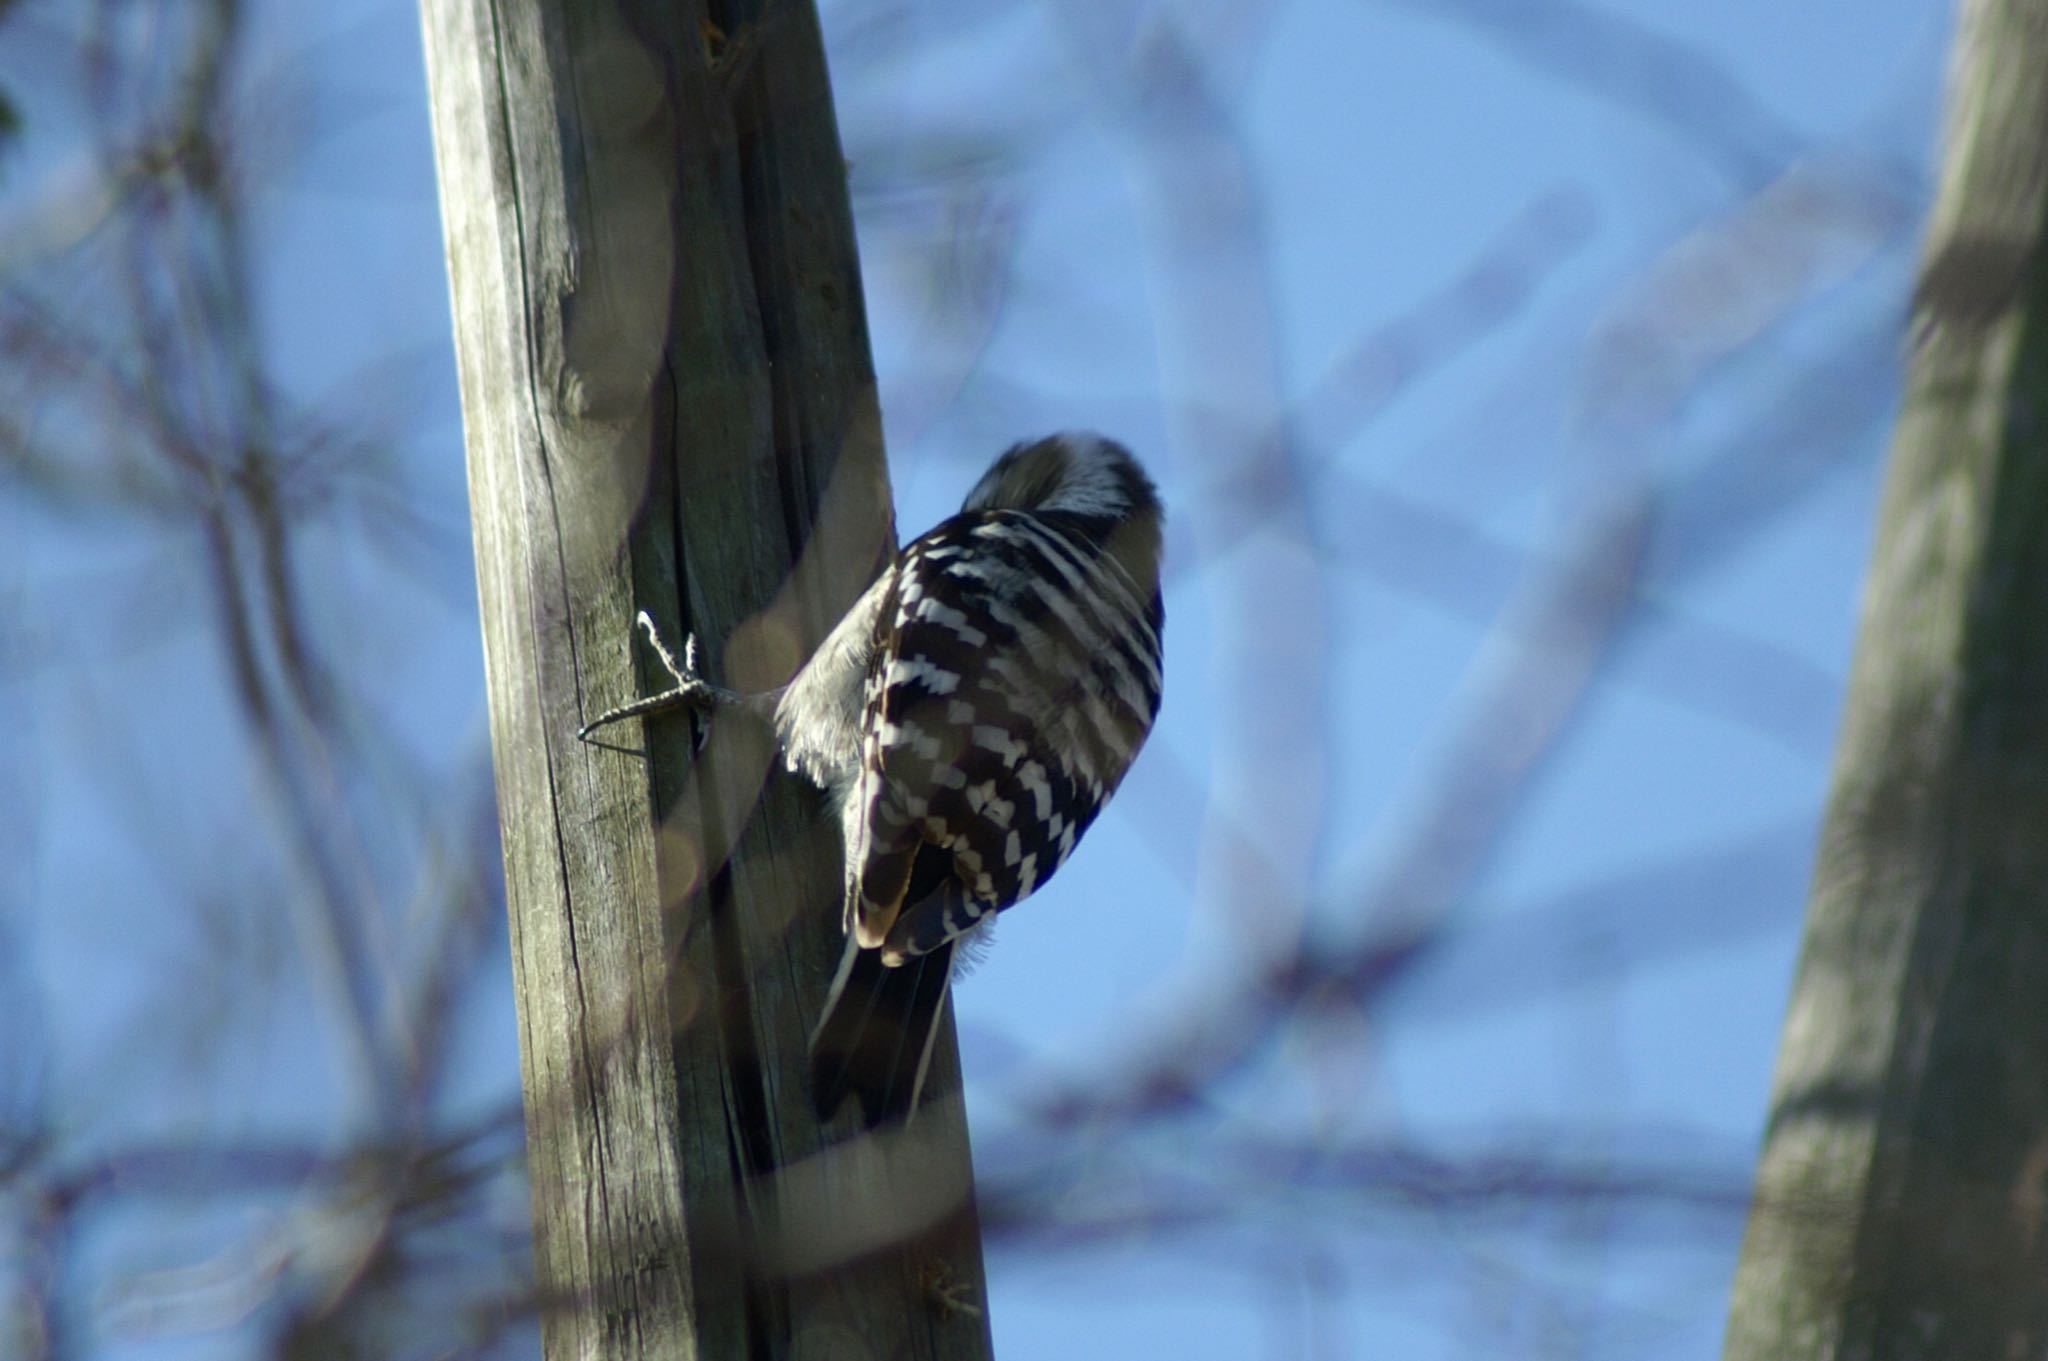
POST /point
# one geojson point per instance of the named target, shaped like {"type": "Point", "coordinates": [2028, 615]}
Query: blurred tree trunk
{"type": "Point", "coordinates": [669, 406]}
{"type": "Point", "coordinates": [1902, 1203]}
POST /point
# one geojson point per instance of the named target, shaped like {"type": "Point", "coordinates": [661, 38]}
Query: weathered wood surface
{"type": "Point", "coordinates": [1904, 1183]}
{"type": "Point", "coordinates": [669, 406]}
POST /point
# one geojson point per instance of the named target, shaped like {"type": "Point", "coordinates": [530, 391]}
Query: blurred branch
{"type": "Point", "coordinates": [1640, 70]}
{"type": "Point", "coordinates": [1243, 1176]}
{"type": "Point", "coordinates": [1217, 336]}
{"type": "Point", "coordinates": [1520, 700]}
{"type": "Point", "coordinates": [128, 317]}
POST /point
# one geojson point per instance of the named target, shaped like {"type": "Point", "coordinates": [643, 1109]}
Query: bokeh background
{"type": "Point", "coordinates": [1518, 376]}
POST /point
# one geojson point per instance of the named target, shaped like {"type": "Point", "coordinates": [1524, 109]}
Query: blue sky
{"type": "Point", "coordinates": [1700, 224]}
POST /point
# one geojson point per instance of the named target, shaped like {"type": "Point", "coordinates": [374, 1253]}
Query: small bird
{"type": "Point", "coordinates": [968, 718]}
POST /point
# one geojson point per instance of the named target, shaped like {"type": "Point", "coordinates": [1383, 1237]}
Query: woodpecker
{"type": "Point", "coordinates": [967, 718]}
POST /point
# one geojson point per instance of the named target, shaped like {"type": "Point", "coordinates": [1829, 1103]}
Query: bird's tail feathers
{"type": "Point", "coordinates": [874, 1039]}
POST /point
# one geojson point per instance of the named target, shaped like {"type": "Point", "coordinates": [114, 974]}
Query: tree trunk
{"type": "Point", "coordinates": [670, 407]}
{"type": "Point", "coordinates": [1901, 1200]}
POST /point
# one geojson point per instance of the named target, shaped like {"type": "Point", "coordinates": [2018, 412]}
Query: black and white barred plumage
{"type": "Point", "coordinates": [970, 715]}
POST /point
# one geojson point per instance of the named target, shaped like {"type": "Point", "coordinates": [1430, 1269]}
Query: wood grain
{"type": "Point", "coordinates": [669, 405]}
{"type": "Point", "coordinates": [1900, 1200]}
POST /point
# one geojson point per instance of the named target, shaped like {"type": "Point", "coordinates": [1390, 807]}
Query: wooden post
{"type": "Point", "coordinates": [1902, 1201]}
{"type": "Point", "coordinates": [669, 405]}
